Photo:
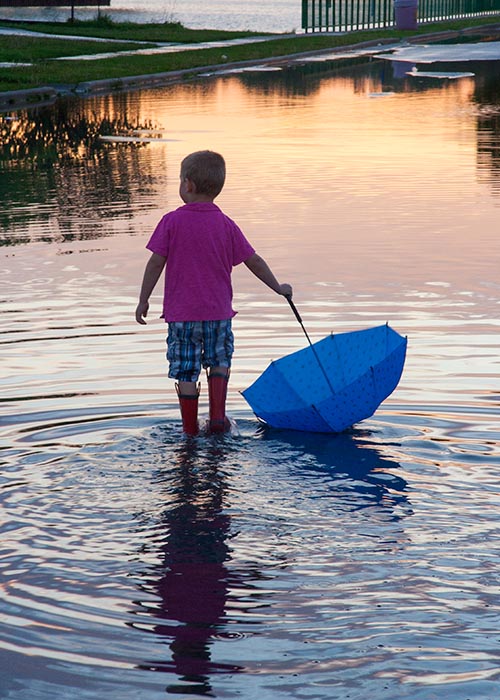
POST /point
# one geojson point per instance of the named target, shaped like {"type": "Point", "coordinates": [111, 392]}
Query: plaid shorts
{"type": "Point", "coordinates": [193, 344]}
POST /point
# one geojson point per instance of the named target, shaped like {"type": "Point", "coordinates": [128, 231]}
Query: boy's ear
{"type": "Point", "coordinates": [190, 186]}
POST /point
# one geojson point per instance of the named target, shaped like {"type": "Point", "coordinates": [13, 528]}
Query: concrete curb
{"type": "Point", "coordinates": [16, 99]}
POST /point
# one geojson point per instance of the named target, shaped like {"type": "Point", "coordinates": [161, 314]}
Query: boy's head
{"type": "Point", "coordinates": [206, 170]}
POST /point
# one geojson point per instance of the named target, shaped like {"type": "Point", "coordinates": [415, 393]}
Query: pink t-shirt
{"type": "Point", "coordinates": [202, 245]}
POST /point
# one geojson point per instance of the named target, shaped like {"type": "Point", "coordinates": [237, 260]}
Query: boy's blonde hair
{"type": "Point", "coordinates": [207, 170]}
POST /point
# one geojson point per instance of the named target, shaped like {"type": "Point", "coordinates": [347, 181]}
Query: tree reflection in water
{"type": "Point", "coordinates": [59, 182]}
{"type": "Point", "coordinates": [57, 177]}
{"type": "Point", "coordinates": [487, 99]}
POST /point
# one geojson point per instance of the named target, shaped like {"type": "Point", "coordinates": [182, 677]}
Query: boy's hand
{"type": "Point", "coordinates": [141, 312]}
{"type": "Point", "coordinates": [286, 290]}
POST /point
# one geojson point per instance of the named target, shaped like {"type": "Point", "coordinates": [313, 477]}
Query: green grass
{"type": "Point", "coordinates": [27, 49]}
{"type": "Point", "coordinates": [104, 28]}
{"type": "Point", "coordinates": [45, 72]}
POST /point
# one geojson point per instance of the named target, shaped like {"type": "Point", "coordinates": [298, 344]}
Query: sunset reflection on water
{"type": "Point", "coordinates": [331, 165]}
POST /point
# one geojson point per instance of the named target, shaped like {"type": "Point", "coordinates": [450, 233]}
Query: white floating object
{"type": "Point", "coordinates": [148, 132]}
{"type": "Point", "coordinates": [439, 74]}
{"type": "Point", "coordinates": [381, 94]}
{"type": "Point", "coordinates": [262, 69]}
{"type": "Point", "coordinates": [135, 139]}
{"type": "Point", "coordinates": [337, 55]}
{"type": "Point", "coordinates": [329, 57]}
{"type": "Point", "coordinates": [246, 69]}
{"type": "Point", "coordinates": [443, 53]}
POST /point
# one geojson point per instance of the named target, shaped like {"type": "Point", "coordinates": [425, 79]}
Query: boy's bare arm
{"type": "Point", "coordinates": [261, 269]}
{"type": "Point", "coordinates": [154, 268]}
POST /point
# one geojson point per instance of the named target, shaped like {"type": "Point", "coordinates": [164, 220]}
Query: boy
{"type": "Point", "coordinates": [200, 245]}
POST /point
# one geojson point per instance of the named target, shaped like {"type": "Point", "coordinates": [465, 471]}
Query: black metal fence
{"type": "Point", "coordinates": [433, 11]}
{"type": "Point", "coordinates": [350, 15]}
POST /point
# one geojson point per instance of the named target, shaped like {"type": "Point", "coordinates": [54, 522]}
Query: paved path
{"type": "Point", "coordinates": [158, 47]}
{"type": "Point", "coordinates": [167, 46]}
{"type": "Point", "coordinates": [14, 31]}
{"type": "Point", "coordinates": [173, 48]}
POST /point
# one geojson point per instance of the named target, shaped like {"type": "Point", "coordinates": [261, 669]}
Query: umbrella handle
{"type": "Point", "coordinates": [294, 309]}
{"type": "Point", "coordinates": [297, 316]}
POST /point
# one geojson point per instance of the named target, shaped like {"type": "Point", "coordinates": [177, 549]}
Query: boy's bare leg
{"type": "Point", "coordinates": [188, 388]}
{"type": "Point", "coordinates": [221, 371]}
{"type": "Point", "coordinates": [191, 388]}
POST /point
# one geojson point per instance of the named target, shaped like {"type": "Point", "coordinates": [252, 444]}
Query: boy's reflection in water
{"type": "Point", "coordinates": [193, 581]}
{"type": "Point", "coordinates": [198, 594]}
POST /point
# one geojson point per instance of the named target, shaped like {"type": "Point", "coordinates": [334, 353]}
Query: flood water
{"type": "Point", "coordinates": [136, 563]}
{"type": "Point", "coordinates": [259, 15]}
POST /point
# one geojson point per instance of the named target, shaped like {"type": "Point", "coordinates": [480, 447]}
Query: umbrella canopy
{"type": "Point", "coordinates": [332, 384]}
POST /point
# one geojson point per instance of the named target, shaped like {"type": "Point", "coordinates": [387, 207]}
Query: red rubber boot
{"type": "Point", "coordinates": [217, 392]}
{"type": "Point", "coordinates": [189, 412]}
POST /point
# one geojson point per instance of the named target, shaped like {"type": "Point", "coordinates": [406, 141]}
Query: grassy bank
{"type": "Point", "coordinates": [25, 49]}
{"type": "Point", "coordinates": [104, 28]}
{"type": "Point", "coordinates": [44, 71]}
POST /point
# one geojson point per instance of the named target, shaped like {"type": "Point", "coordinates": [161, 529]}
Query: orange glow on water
{"type": "Point", "coordinates": [351, 180]}
{"type": "Point", "coordinates": [340, 180]}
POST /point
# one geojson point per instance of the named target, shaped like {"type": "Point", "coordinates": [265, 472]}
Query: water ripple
{"type": "Point", "coordinates": [326, 552]}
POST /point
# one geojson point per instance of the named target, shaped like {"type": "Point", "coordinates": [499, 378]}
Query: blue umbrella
{"type": "Point", "coordinates": [331, 384]}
